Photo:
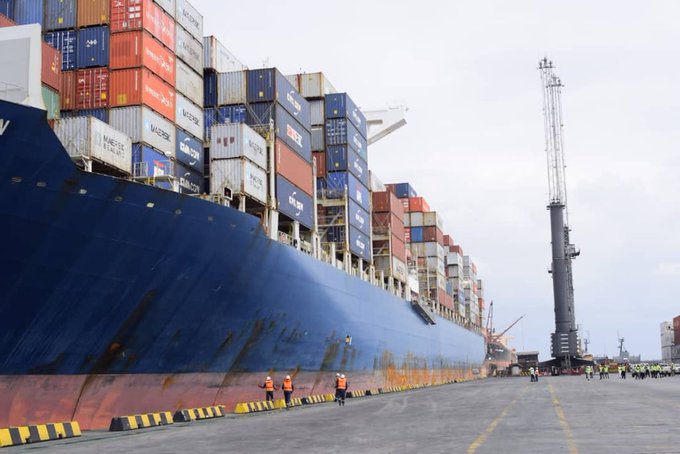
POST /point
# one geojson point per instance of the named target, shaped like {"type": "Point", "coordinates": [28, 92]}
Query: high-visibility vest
{"type": "Point", "coordinates": [269, 385]}
{"type": "Point", "coordinates": [342, 383]}
{"type": "Point", "coordinates": [287, 384]}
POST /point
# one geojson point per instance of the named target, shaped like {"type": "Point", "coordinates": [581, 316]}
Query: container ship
{"type": "Point", "coordinates": [176, 227]}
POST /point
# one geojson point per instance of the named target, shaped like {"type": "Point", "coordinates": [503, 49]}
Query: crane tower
{"type": "Point", "coordinates": [564, 341]}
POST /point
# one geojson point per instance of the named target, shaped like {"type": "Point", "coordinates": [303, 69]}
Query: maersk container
{"type": "Point", "coordinates": [343, 158]}
{"type": "Point", "coordinates": [238, 140]}
{"type": "Point", "coordinates": [189, 83]}
{"type": "Point", "coordinates": [286, 127]}
{"type": "Point", "coordinates": [336, 183]}
{"type": "Point", "coordinates": [188, 17]}
{"type": "Point", "coordinates": [359, 218]}
{"type": "Point", "coordinates": [316, 109]}
{"type": "Point", "coordinates": [147, 162]}
{"type": "Point", "coordinates": [190, 181]}
{"type": "Point", "coordinates": [189, 116]}
{"type": "Point", "coordinates": [143, 14]}
{"type": "Point", "coordinates": [28, 12]}
{"type": "Point", "coordinates": [231, 88]}
{"type": "Point", "coordinates": [60, 14]}
{"type": "Point", "coordinates": [315, 85]}
{"type": "Point", "coordinates": [217, 57]}
{"type": "Point", "coordinates": [93, 47]}
{"type": "Point", "coordinates": [168, 6]}
{"type": "Point", "coordinates": [144, 125]}
{"type": "Point", "coordinates": [209, 88]}
{"type": "Point", "coordinates": [99, 114]}
{"type": "Point", "coordinates": [67, 42]}
{"type": "Point", "coordinates": [189, 50]}
{"type": "Point", "coordinates": [340, 105]}
{"type": "Point", "coordinates": [294, 203]}
{"type": "Point", "coordinates": [130, 87]}
{"type": "Point", "coordinates": [416, 234]}
{"type": "Point", "coordinates": [318, 138]}
{"type": "Point", "coordinates": [138, 48]}
{"type": "Point", "coordinates": [240, 175]}
{"type": "Point", "coordinates": [89, 137]}
{"type": "Point", "coordinates": [52, 102]}
{"type": "Point", "coordinates": [189, 150]}
{"type": "Point", "coordinates": [360, 244]}
{"type": "Point", "coordinates": [269, 85]}
{"type": "Point", "coordinates": [340, 131]}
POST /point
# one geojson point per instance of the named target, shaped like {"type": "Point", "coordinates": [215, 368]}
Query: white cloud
{"type": "Point", "coordinates": [668, 269]}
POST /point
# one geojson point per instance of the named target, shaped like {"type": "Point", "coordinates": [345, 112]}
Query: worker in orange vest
{"type": "Point", "coordinates": [341, 385]}
{"type": "Point", "coordinates": [269, 388]}
{"type": "Point", "coordinates": [288, 389]}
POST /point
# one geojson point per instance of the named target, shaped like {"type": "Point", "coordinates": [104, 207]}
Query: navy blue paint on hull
{"type": "Point", "coordinates": [98, 282]}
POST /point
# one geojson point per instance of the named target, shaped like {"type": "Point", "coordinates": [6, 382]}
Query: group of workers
{"type": "Point", "coordinates": [639, 371]}
{"type": "Point", "coordinates": [534, 372]}
{"type": "Point", "coordinates": [341, 385]}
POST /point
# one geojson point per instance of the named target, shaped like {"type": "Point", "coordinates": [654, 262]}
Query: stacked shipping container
{"type": "Point", "coordinates": [389, 248]}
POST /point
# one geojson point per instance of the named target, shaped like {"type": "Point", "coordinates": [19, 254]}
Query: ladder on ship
{"type": "Point", "coordinates": [424, 311]}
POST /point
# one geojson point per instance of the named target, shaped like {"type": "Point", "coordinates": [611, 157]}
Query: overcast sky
{"type": "Point", "coordinates": [474, 143]}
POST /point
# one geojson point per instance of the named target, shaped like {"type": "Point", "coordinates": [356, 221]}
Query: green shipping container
{"type": "Point", "coordinates": [52, 102]}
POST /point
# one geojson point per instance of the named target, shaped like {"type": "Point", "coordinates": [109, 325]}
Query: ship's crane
{"type": "Point", "coordinates": [489, 325]}
{"type": "Point", "coordinates": [498, 336]}
{"type": "Point", "coordinates": [564, 341]}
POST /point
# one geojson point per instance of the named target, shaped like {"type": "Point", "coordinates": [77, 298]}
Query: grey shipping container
{"type": "Point", "coordinates": [231, 88]}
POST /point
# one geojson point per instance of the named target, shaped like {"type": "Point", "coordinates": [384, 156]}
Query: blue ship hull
{"type": "Point", "coordinates": [107, 280]}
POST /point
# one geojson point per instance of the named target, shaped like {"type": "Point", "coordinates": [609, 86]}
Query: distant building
{"type": "Point", "coordinates": [667, 341]}
{"type": "Point", "coordinates": [527, 359]}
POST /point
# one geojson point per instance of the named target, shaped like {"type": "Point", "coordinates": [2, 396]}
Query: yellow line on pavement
{"type": "Point", "coordinates": [571, 443]}
{"type": "Point", "coordinates": [479, 441]}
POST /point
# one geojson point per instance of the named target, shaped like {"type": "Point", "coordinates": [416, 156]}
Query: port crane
{"type": "Point", "coordinates": [564, 342]}
{"type": "Point", "coordinates": [489, 325]}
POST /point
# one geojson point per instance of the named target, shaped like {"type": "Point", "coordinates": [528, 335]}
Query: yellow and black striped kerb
{"type": "Point", "coordinates": [14, 436]}
{"type": "Point", "coordinates": [252, 407]}
{"type": "Point", "coordinates": [308, 400]}
{"type": "Point", "coordinates": [372, 392]}
{"type": "Point", "coordinates": [193, 414]}
{"type": "Point", "coordinates": [142, 421]}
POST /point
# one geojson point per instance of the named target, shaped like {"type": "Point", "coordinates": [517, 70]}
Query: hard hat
{"type": "Point", "coordinates": [337, 375]}
{"type": "Point", "coordinates": [342, 376]}
{"type": "Point", "coordinates": [287, 377]}
{"type": "Point", "coordinates": [269, 378]}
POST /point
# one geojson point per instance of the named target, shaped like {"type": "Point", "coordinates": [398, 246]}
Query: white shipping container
{"type": "Point", "coordinates": [430, 218]}
{"type": "Point", "coordinates": [238, 140]}
{"type": "Point", "coordinates": [399, 269]}
{"type": "Point", "coordinates": [167, 5]}
{"type": "Point", "coordinates": [188, 17]}
{"type": "Point", "coordinates": [417, 249]}
{"type": "Point", "coordinates": [218, 58]}
{"type": "Point", "coordinates": [407, 217]}
{"type": "Point", "coordinates": [318, 138]}
{"type": "Point", "coordinates": [376, 184]}
{"type": "Point", "coordinates": [189, 83]}
{"type": "Point", "coordinates": [189, 50]}
{"type": "Point", "coordinates": [318, 112]}
{"type": "Point", "coordinates": [189, 117]}
{"type": "Point", "coordinates": [90, 137]}
{"type": "Point", "coordinates": [231, 88]}
{"type": "Point", "coordinates": [294, 81]}
{"type": "Point", "coordinates": [416, 219]}
{"type": "Point", "coordinates": [315, 85]}
{"type": "Point", "coordinates": [240, 175]}
{"type": "Point", "coordinates": [434, 249]}
{"type": "Point", "coordinates": [144, 125]}
{"type": "Point", "coordinates": [435, 263]}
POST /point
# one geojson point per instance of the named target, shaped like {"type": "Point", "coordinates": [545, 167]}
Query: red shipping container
{"type": "Point", "coordinates": [457, 249]}
{"type": "Point", "coordinates": [383, 221]}
{"type": "Point", "coordinates": [6, 21]}
{"type": "Point", "coordinates": [137, 49]}
{"type": "Point", "coordinates": [418, 204]}
{"type": "Point", "coordinates": [68, 90]}
{"type": "Point", "coordinates": [129, 15]}
{"type": "Point", "coordinates": [293, 168]}
{"type": "Point", "coordinates": [50, 73]}
{"type": "Point", "coordinates": [92, 88]}
{"type": "Point", "coordinates": [386, 201]}
{"type": "Point", "coordinates": [405, 205]}
{"type": "Point", "coordinates": [444, 298]}
{"type": "Point", "coordinates": [398, 249]}
{"type": "Point", "coordinates": [440, 237]}
{"type": "Point", "coordinates": [320, 157]}
{"type": "Point", "coordinates": [407, 234]}
{"type": "Point", "coordinates": [448, 241]}
{"type": "Point", "coordinates": [93, 12]}
{"type": "Point", "coordinates": [130, 87]}
{"type": "Point", "coordinates": [429, 234]}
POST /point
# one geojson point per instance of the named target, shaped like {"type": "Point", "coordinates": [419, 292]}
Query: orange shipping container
{"type": "Point", "coordinates": [131, 87]}
{"type": "Point", "coordinates": [320, 157]}
{"type": "Point", "coordinates": [6, 21]}
{"type": "Point", "coordinates": [92, 88]}
{"type": "Point", "coordinates": [293, 168]}
{"type": "Point", "coordinates": [51, 67]}
{"type": "Point", "coordinates": [68, 90]}
{"type": "Point", "coordinates": [143, 14]}
{"type": "Point", "coordinates": [93, 12]}
{"type": "Point", "coordinates": [444, 298]}
{"type": "Point", "coordinates": [136, 49]}
{"type": "Point", "coordinates": [418, 204]}
{"type": "Point", "coordinates": [386, 201]}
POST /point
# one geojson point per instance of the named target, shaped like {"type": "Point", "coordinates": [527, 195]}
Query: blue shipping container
{"type": "Point", "coordinates": [93, 47]}
{"type": "Point", "coordinates": [157, 164]}
{"type": "Point", "coordinates": [232, 114]}
{"type": "Point", "coordinates": [269, 85]}
{"type": "Point", "coordinates": [335, 188]}
{"type": "Point", "coordinates": [340, 105]}
{"type": "Point", "coordinates": [294, 203]}
{"type": "Point", "coordinates": [403, 190]}
{"type": "Point", "coordinates": [190, 182]}
{"type": "Point", "coordinates": [99, 114]}
{"type": "Point", "coordinates": [60, 14]}
{"type": "Point", "coordinates": [189, 151]}
{"type": "Point", "coordinates": [209, 88]}
{"type": "Point", "coordinates": [7, 8]}
{"type": "Point", "coordinates": [66, 41]}
{"type": "Point", "coordinates": [341, 157]}
{"type": "Point", "coordinates": [359, 218]}
{"type": "Point", "coordinates": [286, 127]}
{"type": "Point", "coordinates": [340, 131]}
{"type": "Point", "coordinates": [416, 234]}
{"type": "Point", "coordinates": [28, 12]}
{"type": "Point", "coordinates": [360, 244]}
{"type": "Point", "coordinates": [209, 119]}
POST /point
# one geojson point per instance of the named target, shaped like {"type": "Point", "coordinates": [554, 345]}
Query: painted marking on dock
{"type": "Point", "coordinates": [571, 443]}
{"type": "Point", "coordinates": [479, 441]}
